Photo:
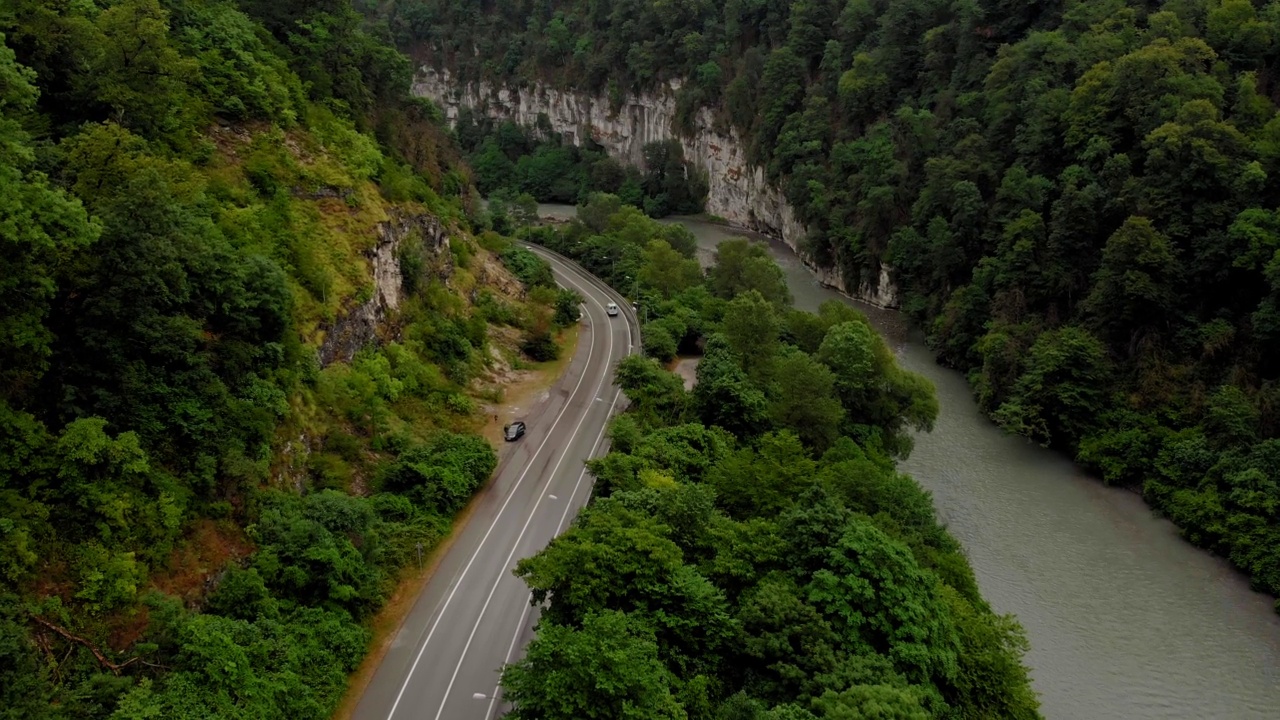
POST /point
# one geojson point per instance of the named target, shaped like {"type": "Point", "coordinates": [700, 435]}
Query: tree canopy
{"type": "Point", "coordinates": [750, 550]}
{"type": "Point", "coordinates": [1093, 182]}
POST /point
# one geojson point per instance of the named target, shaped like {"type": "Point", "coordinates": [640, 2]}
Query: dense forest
{"type": "Point", "coordinates": [198, 513]}
{"type": "Point", "coordinates": [509, 160]}
{"type": "Point", "coordinates": [750, 552]}
{"type": "Point", "coordinates": [1077, 200]}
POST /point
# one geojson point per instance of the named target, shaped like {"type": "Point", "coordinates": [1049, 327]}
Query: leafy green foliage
{"type": "Point", "coordinates": [509, 159]}
{"type": "Point", "coordinates": [568, 308]}
{"type": "Point", "coordinates": [764, 560]}
{"type": "Point", "coordinates": [608, 669]}
{"type": "Point", "coordinates": [540, 346]}
{"type": "Point", "coordinates": [197, 518]}
{"type": "Point", "coordinates": [532, 270]}
{"type": "Point", "coordinates": [1025, 173]}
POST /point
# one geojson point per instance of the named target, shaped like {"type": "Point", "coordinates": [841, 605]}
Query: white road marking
{"type": "Point", "coordinates": [461, 575]}
{"type": "Point", "coordinates": [529, 597]}
{"type": "Point", "coordinates": [516, 546]}
{"type": "Point", "coordinates": [492, 525]}
{"type": "Point", "coordinates": [528, 602]}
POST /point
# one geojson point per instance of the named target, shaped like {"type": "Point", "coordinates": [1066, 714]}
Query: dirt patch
{"type": "Point", "coordinates": [205, 551]}
{"type": "Point", "coordinates": [686, 368]}
{"type": "Point", "coordinates": [526, 388]}
{"type": "Point", "coordinates": [523, 389]}
{"type": "Point", "coordinates": [126, 629]}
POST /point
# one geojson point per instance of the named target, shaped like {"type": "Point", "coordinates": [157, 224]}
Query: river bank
{"type": "Point", "coordinates": [1125, 619]}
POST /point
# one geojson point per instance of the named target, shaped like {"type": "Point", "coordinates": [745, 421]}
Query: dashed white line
{"type": "Point", "coordinates": [489, 531]}
{"type": "Point", "coordinates": [560, 526]}
{"type": "Point", "coordinates": [515, 546]}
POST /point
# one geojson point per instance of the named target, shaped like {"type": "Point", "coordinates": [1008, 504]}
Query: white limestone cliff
{"type": "Point", "coordinates": [737, 190]}
{"type": "Point", "coordinates": [366, 322]}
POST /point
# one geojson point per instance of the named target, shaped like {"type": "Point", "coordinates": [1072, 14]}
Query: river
{"type": "Point", "coordinates": [1125, 619]}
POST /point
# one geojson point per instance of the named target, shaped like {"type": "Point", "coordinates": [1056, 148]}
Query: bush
{"type": "Point", "coordinates": [532, 270]}
{"type": "Point", "coordinates": [568, 308]}
{"type": "Point", "coordinates": [540, 347]}
{"type": "Point", "coordinates": [442, 474]}
{"type": "Point", "coordinates": [658, 343]}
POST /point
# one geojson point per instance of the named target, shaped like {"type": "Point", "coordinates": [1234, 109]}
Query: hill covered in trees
{"type": "Point", "coordinates": [750, 551]}
{"type": "Point", "coordinates": [1078, 200]}
{"type": "Point", "coordinates": [199, 509]}
{"type": "Point", "coordinates": [510, 160]}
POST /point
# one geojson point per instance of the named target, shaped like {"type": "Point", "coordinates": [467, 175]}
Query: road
{"type": "Point", "coordinates": [474, 615]}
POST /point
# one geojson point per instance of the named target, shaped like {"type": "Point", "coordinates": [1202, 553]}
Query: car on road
{"type": "Point", "coordinates": [514, 431]}
{"type": "Point", "coordinates": [612, 309]}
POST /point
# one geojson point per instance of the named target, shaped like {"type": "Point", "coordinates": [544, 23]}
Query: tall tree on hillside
{"type": "Point", "coordinates": [1133, 291]}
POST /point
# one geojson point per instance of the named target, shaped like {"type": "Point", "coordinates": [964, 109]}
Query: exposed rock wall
{"type": "Point", "coordinates": [737, 190]}
{"type": "Point", "coordinates": [367, 322]}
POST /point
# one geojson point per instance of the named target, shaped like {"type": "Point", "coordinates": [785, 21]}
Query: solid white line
{"type": "Point", "coordinates": [516, 546]}
{"type": "Point", "coordinates": [492, 525]}
{"type": "Point", "coordinates": [559, 527]}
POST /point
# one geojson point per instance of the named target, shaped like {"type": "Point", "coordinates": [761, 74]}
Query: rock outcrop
{"type": "Point", "coordinates": [737, 190]}
{"type": "Point", "coordinates": [367, 321]}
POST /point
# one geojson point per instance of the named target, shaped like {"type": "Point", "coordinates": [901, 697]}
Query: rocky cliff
{"type": "Point", "coordinates": [367, 321]}
{"type": "Point", "coordinates": [737, 191]}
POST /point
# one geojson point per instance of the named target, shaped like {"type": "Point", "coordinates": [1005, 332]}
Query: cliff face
{"type": "Point", "coordinates": [737, 191]}
{"type": "Point", "coordinates": [367, 322]}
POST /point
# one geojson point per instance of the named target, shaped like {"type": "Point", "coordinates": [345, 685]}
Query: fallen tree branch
{"type": "Point", "coordinates": [115, 668]}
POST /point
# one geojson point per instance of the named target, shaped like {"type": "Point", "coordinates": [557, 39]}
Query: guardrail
{"type": "Point", "coordinates": [628, 310]}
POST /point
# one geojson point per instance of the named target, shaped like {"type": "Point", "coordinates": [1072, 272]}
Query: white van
{"type": "Point", "coordinates": [612, 309]}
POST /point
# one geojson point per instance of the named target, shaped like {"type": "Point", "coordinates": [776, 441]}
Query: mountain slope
{"type": "Point", "coordinates": [246, 335]}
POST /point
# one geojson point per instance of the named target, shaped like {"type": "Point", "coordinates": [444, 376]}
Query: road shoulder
{"type": "Point", "coordinates": [523, 396]}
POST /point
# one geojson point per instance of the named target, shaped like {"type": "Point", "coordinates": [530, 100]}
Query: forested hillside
{"type": "Point", "coordinates": [200, 509]}
{"type": "Point", "coordinates": [1078, 200]}
{"type": "Point", "coordinates": [512, 160]}
{"type": "Point", "coordinates": [751, 552]}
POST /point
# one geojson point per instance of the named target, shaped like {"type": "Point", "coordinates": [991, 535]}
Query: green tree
{"type": "Point", "coordinates": [140, 75]}
{"type": "Point", "coordinates": [493, 169]}
{"type": "Point", "coordinates": [875, 595]}
{"type": "Point", "coordinates": [724, 396]}
{"type": "Point", "coordinates": [1062, 389]}
{"type": "Point", "coordinates": [1134, 289]}
{"type": "Point", "coordinates": [871, 702]}
{"type": "Point", "coordinates": [607, 669]}
{"type": "Point", "coordinates": [872, 389]}
{"type": "Point", "coordinates": [666, 271]}
{"type": "Point", "coordinates": [751, 330]}
{"type": "Point", "coordinates": [804, 400]}
{"type": "Point", "coordinates": [741, 266]}
{"type": "Point", "coordinates": [40, 228]}
{"type": "Point", "coordinates": [764, 480]}
{"type": "Point", "coordinates": [658, 396]}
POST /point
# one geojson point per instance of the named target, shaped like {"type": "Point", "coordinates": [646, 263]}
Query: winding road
{"type": "Point", "coordinates": [474, 615]}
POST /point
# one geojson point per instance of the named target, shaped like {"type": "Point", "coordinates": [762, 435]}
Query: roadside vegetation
{"type": "Point", "coordinates": [198, 515]}
{"type": "Point", "coordinates": [1077, 200]}
{"type": "Point", "coordinates": [750, 551]}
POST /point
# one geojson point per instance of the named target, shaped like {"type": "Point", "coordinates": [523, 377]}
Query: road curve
{"type": "Point", "coordinates": [473, 616]}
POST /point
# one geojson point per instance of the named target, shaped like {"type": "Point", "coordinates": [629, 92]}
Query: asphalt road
{"type": "Point", "coordinates": [474, 615]}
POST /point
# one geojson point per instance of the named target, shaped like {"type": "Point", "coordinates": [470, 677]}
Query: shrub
{"type": "Point", "coordinates": [540, 347]}
{"type": "Point", "coordinates": [658, 343]}
{"type": "Point", "coordinates": [568, 308]}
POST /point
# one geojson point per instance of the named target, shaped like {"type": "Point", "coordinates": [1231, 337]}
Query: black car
{"type": "Point", "coordinates": [514, 431]}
